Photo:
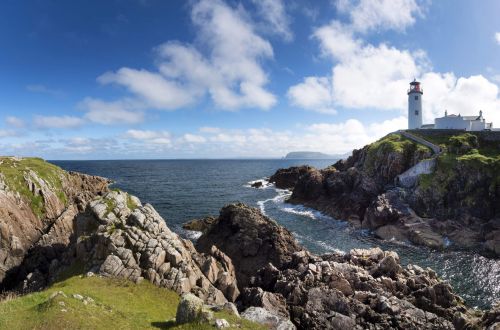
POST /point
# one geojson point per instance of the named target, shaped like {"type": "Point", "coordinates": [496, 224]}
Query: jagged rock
{"type": "Point", "coordinates": [200, 224]}
{"type": "Point", "coordinates": [270, 320]}
{"type": "Point", "coordinates": [46, 233]}
{"type": "Point", "coordinates": [250, 239]}
{"type": "Point", "coordinates": [274, 303]}
{"type": "Point", "coordinates": [364, 289]}
{"type": "Point", "coordinates": [257, 184]}
{"type": "Point", "coordinates": [137, 244]}
{"type": "Point", "coordinates": [286, 178]}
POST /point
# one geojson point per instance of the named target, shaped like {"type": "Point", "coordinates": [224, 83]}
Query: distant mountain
{"type": "Point", "coordinates": [312, 155]}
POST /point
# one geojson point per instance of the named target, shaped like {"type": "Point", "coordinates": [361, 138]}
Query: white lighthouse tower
{"type": "Point", "coordinates": [415, 105]}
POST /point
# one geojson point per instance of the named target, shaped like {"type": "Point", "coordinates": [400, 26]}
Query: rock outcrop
{"type": "Point", "coordinates": [250, 239]}
{"type": "Point", "coordinates": [364, 289]}
{"type": "Point", "coordinates": [286, 178]}
{"type": "Point", "coordinates": [38, 202]}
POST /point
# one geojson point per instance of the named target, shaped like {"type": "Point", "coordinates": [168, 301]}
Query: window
{"type": "Point", "coordinates": [416, 97]}
{"type": "Point", "coordinates": [416, 112]}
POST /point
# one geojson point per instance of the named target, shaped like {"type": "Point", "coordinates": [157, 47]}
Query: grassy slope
{"type": "Point", "coordinates": [480, 155]}
{"type": "Point", "coordinates": [13, 171]}
{"type": "Point", "coordinates": [118, 304]}
{"type": "Point", "coordinates": [391, 143]}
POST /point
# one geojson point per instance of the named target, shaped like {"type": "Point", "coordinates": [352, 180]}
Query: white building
{"type": "Point", "coordinates": [467, 123]}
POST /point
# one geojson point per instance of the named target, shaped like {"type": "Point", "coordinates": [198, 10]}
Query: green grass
{"type": "Point", "coordinates": [392, 143]}
{"type": "Point", "coordinates": [118, 304]}
{"type": "Point", "coordinates": [464, 154]}
{"type": "Point", "coordinates": [13, 171]}
{"type": "Point", "coordinates": [110, 205]}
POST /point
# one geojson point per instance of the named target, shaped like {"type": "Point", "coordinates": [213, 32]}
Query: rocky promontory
{"type": "Point", "coordinates": [363, 289]}
{"type": "Point", "coordinates": [450, 196]}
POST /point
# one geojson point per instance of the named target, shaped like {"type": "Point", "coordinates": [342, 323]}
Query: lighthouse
{"type": "Point", "coordinates": [415, 105]}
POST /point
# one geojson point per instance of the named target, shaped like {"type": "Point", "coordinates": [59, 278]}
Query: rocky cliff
{"type": "Point", "coordinates": [51, 219]}
{"type": "Point", "coordinates": [36, 201]}
{"type": "Point", "coordinates": [459, 200]}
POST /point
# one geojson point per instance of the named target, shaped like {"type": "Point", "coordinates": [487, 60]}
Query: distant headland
{"type": "Point", "coordinates": [313, 155]}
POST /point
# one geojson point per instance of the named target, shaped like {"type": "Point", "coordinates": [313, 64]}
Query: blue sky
{"type": "Point", "coordinates": [223, 78]}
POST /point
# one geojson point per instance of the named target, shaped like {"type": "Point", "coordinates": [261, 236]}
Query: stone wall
{"type": "Point", "coordinates": [409, 178]}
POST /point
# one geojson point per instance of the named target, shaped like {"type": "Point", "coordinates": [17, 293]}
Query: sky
{"type": "Point", "coordinates": [141, 79]}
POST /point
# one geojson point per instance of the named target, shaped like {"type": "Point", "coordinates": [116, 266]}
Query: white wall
{"type": "Point", "coordinates": [459, 123]}
{"type": "Point", "coordinates": [451, 123]}
{"type": "Point", "coordinates": [414, 120]}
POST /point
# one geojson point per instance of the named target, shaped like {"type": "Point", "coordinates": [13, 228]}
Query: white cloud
{"type": "Point", "coordinates": [381, 14]}
{"type": "Point", "coordinates": [207, 129]}
{"type": "Point", "coordinates": [150, 137]}
{"type": "Point", "coordinates": [57, 121]}
{"type": "Point", "coordinates": [153, 88]}
{"type": "Point", "coordinates": [13, 121]}
{"type": "Point", "coordinates": [230, 73]}
{"type": "Point", "coordinates": [497, 37]}
{"type": "Point", "coordinates": [275, 17]}
{"type": "Point", "coordinates": [193, 138]}
{"type": "Point", "coordinates": [7, 133]}
{"type": "Point", "coordinates": [464, 96]}
{"type": "Point", "coordinates": [365, 76]}
{"type": "Point", "coordinates": [315, 93]}
{"type": "Point", "coordinates": [45, 90]}
{"type": "Point", "coordinates": [107, 113]}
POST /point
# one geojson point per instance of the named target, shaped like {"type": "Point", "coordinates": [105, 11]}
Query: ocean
{"type": "Point", "coordinates": [181, 190]}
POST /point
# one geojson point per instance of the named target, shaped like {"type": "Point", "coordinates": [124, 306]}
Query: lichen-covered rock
{"type": "Point", "coordinates": [189, 309]}
{"type": "Point", "coordinates": [136, 244]}
{"type": "Point", "coordinates": [265, 317]}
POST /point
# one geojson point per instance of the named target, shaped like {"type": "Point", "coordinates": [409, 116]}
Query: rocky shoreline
{"type": "Point", "coordinates": [243, 262]}
{"type": "Point", "coordinates": [457, 203]}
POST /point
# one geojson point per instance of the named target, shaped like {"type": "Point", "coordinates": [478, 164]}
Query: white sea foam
{"type": "Point", "coordinates": [305, 211]}
{"type": "Point", "coordinates": [265, 183]}
{"type": "Point", "coordinates": [192, 235]}
{"type": "Point", "coordinates": [278, 199]}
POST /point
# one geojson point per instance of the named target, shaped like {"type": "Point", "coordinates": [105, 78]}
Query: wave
{"type": "Point", "coordinates": [191, 235]}
{"type": "Point", "coordinates": [324, 245]}
{"type": "Point", "coordinates": [305, 211]}
{"type": "Point", "coordinates": [265, 183]}
{"type": "Point", "coordinates": [278, 199]}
